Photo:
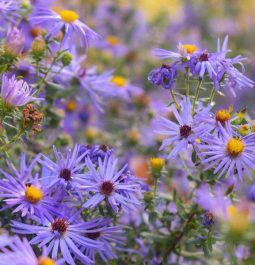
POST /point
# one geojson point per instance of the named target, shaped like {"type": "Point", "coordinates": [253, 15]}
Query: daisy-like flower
{"type": "Point", "coordinates": [179, 135]}
{"type": "Point", "coordinates": [20, 252]}
{"type": "Point", "coordinates": [184, 51]}
{"type": "Point", "coordinates": [66, 171]}
{"type": "Point", "coordinates": [227, 72]}
{"type": "Point", "coordinates": [94, 152]}
{"type": "Point", "coordinates": [228, 153]}
{"type": "Point", "coordinates": [116, 186]}
{"type": "Point", "coordinates": [62, 235]}
{"type": "Point", "coordinates": [163, 76]}
{"type": "Point", "coordinates": [95, 85]}
{"type": "Point", "coordinates": [217, 204]}
{"type": "Point", "coordinates": [67, 20]}
{"type": "Point", "coordinates": [16, 92]}
{"type": "Point", "coordinates": [123, 89]}
{"type": "Point", "coordinates": [212, 119]}
{"type": "Point", "coordinates": [25, 195]}
{"type": "Point", "coordinates": [111, 237]}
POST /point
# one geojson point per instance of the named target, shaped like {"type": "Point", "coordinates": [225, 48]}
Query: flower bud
{"type": "Point", "coordinates": [14, 42]}
{"type": "Point", "coordinates": [66, 59]}
{"type": "Point", "coordinates": [38, 47]}
{"type": "Point", "coordinates": [157, 164]}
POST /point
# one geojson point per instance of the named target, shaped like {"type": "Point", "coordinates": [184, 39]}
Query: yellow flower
{"type": "Point", "coordinates": [157, 164]}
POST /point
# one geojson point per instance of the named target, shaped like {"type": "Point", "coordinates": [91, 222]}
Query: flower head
{"type": "Point", "coordinates": [163, 76]}
{"type": "Point", "coordinates": [229, 153]}
{"type": "Point", "coordinates": [68, 20]}
{"type": "Point", "coordinates": [16, 92]}
{"type": "Point", "coordinates": [20, 252]}
{"type": "Point", "coordinates": [183, 132]}
{"type": "Point", "coordinates": [66, 171]}
{"type": "Point", "coordinates": [63, 235]}
{"type": "Point", "coordinates": [26, 195]}
{"type": "Point", "coordinates": [111, 236]}
{"type": "Point", "coordinates": [118, 187]}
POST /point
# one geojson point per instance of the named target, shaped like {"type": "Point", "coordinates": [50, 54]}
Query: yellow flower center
{"type": "Point", "coordinates": [190, 48]}
{"type": "Point", "coordinates": [157, 163]}
{"type": "Point", "coordinates": [71, 106]}
{"type": "Point", "coordinates": [235, 147]}
{"type": "Point", "coordinates": [113, 40]}
{"type": "Point", "coordinates": [68, 16]}
{"type": "Point", "coordinates": [33, 194]}
{"type": "Point", "coordinates": [119, 81]}
{"type": "Point", "coordinates": [45, 261]}
{"type": "Point", "coordinates": [223, 115]}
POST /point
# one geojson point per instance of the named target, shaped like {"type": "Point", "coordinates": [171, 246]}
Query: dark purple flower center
{"type": "Point", "coordinates": [107, 188]}
{"type": "Point", "coordinates": [104, 147]}
{"type": "Point", "coordinates": [93, 235]}
{"type": "Point", "coordinates": [185, 131]}
{"type": "Point", "coordinates": [65, 174]}
{"type": "Point", "coordinates": [60, 225]}
{"type": "Point", "coordinates": [204, 57]}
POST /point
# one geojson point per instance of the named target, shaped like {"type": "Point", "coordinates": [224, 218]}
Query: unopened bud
{"type": "Point", "coordinates": [38, 47]}
{"type": "Point", "coordinates": [66, 58]}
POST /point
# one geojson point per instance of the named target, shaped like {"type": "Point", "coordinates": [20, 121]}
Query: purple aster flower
{"type": "Point", "coordinates": [227, 75]}
{"type": "Point", "coordinates": [16, 92]}
{"type": "Point", "coordinates": [228, 153]}
{"type": "Point", "coordinates": [205, 64]}
{"type": "Point", "coordinates": [25, 195]}
{"type": "Point", "coordinates": [95, 85]}
{"type": "Point", "coordinates": [14, 41]}
{"type": "Point", "coordinates": [94, 152]}
{"type": "Point", "coordinates": [163, 76]}
{"type": "Point", "coordinates": [183, 53]}
{"type": "Point", "coordinates": [116, 186]}
{"type": "Point", "coordinates": [66, 171]}
{"type": "Point", "coordinates": [184, 132]}
{"type": "Point", "coordinates": [67, 20]}
{"type": "Point", "coordinates": [62, 235]}
{"type": "Point", "coordinates": [214, 202]}
{"type": "Point", "coordinates": [212, 120]}
{"type": "Point", "coordinates": [20, 252]}
{"type": "Point", "coordinates": [111, 237]}
{"type": "Point", "coordinates": [10, 8]}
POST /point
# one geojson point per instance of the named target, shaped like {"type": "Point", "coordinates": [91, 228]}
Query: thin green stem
{"type": "Point", "coordinates": [187, 82]}
{"type": "Point", "coordinates": [174, 99]}
{"type": "Point", "coordinates": [196, 95]}
{"type": "Point", "coordinates": [212, 95]}
{"type": "Point", "coordinates": [14, 139]}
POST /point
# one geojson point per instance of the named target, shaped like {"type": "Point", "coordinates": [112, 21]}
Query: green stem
{"type": "Point", "coordinates": [14, 139]}
{"type": "Point", "coordinates": [212, 95]}
{"type": "Point", "coordinates": [174, 99]}
{"type": "Point", "coordinates": [187, 82]}
{"type": "Point", "coordinates": [196, 95]}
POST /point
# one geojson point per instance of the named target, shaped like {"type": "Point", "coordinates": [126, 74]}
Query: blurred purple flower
{"type": "Point", "coordinates": [16, 92]}
{"type": "Point", "coordinates": [67, 20]}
